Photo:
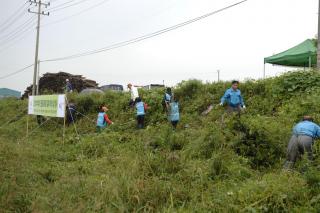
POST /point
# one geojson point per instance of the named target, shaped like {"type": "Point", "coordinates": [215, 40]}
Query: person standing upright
{"type": "Point", "coordinates": [134, 94]}
{"type": "Point", "coordinates": [233, 98]}
{"type": "Point", "coordinates": [167, 99]}
{"type": "Point", "coordinates": [68, 86]}
{"type": "Point", "coordinates": [141, 108]}
{"type": "Point", "coordinates": [174, 114]}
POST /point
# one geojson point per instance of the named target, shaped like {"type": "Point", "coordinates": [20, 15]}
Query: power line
{"type": "Point", "coordinates": [62, 4]}
{"type": "Point", "coordinates": [16, 72]}
{"type": "Point", "coordinates": [14, 19]}
{"type": "Point", "coordinates": [14, 40]}
{"type": "Point", "coordinates": [144, 37]}
{"type": "Point", "coordinates": [131, 41]}
{"type": "Point", "coordinates": [13, 14]}
{"type": "Point", "coordinates": [15, 33]}
{"type": "Point", "coordinates": [76, 14]}
{"type": "Point", "coordinates": [67, 6]}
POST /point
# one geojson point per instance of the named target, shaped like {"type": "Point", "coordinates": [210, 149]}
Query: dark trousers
{"type": "Point", "coordinates": [231, 109]}
{"type": "Point", "coordinates": [174, 124]}
{"type": "Point", "coordinates": [298, 144]}
{"type": "Point", "coordinates": [132, 103]}
{"type": "Point", "coordinates": [140, 120]}
{"type": "Point", "coordinates": [234, 109]}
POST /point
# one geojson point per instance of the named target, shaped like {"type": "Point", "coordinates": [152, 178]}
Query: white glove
{"type": "Point", "coordinates": [243, 107]}
{"type": "Point", "coordinates": [221, 104]}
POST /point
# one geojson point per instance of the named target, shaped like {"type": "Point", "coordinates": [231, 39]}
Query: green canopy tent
{"type": "Point", "coordinates": [302, 55]}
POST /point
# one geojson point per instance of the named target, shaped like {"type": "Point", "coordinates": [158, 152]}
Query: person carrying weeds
{"type": "Point", "coordinates": [103, 119]}
{"type": "Point", "coordinates": [174, 112]}
{"type": "Point", "coordinates": [303, 136]}
{"type": "Point", "coordinates": [141, 108]}
{"type": "Point", "coordinates": [233, 98]}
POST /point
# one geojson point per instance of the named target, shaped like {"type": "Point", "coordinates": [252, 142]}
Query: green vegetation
{"type": "Point", "coordinates": [213, 163]}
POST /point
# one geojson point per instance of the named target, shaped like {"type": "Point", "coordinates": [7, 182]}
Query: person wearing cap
{"type": "Point", "coordinates": [103, 120]}
{"type": "Point", "coordinates": [134, 94]}
{"type": "Point", "coordinates": [233, 98]}
{"type": "Point", "coordinates": [302, 139]}
{"type": "Point", "coordinates": [68, 86]}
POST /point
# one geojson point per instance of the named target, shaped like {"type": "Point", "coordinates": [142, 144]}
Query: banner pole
{"type": "Point", "coordinates": [27, 126]}
{"type": "Point", "coordinates": [64, 122]}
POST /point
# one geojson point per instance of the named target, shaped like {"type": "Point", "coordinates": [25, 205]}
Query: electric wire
{"type": "Point", "coordinates": [15, 18]}
{"type": "Point", "coordinates": [14, 40]}
{"type": "Point", "coordinates": [54, 9]}
{"type": "Point", "coordinates": [16, 72]}
{"type": "Point", "coordinates": [13, 14]}
{"type": "Point", "coordinates": [76, 14]}
{"type": "Point", "coordinates": [62, 4]}
{"type": "Point", "coordinates": [131, 41]}
{"type": "Point", "coordinates": [19, 31]}
{"type": "Point", "coordinates": [17, 40]}
{"type": "Point", "coordinates": [17, 28]}
{"type": "Point", "coordinates": [144, 37]}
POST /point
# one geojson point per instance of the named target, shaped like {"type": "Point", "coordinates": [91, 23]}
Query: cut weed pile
{"type": "Point", "coordinates": [213, 163]}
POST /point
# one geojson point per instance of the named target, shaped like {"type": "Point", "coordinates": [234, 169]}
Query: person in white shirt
{"type": "Point", "coordinates": [134, 94]}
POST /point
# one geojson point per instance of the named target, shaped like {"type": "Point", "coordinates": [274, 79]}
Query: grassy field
{"type": "Point", "coordinates": [214, 163]}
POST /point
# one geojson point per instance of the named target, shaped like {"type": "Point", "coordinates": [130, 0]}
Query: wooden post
{"type": "Point", "coordinates": [310, 63]}
{"type": "Point", "coordinates": [64, 121]}
{"type": "Point", "coordinates": [318, 55]}
{"type": "Point", "coordinates": [27, 127]}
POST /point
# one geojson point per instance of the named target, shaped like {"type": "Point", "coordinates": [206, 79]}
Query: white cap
{"type": "Point", "coordinates": [67, 80]}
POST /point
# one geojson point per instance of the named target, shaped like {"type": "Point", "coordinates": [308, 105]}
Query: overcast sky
{"type": "Point", "coordinates": [234, 41]}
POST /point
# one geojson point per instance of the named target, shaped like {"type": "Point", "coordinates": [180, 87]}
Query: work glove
{"type": "Point", "coordinates": [221, 104]}
{"type": "Point", "coordinates": [243, 107]}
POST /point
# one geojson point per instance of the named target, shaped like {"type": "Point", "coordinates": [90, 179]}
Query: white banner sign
{"type": "Point", "coordinates": [47, 105]}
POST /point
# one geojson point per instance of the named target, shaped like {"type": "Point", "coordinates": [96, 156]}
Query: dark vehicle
{"type": "Point", "coordinates": [114, 87]}
{"type": "Point", "coordinates": [154, 86]}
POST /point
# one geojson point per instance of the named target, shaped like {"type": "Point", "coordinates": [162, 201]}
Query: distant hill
{"type": "Point", "coordinates": [5, 93]}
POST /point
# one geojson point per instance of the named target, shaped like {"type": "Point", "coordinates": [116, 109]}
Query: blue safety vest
{"type": "Point", "coordinates": [140, 108]}
{"type": "Point", "coordinates": [167, 97]}
{"type": "Point", "coordinates": [174, 113]}
{"type": "Point", "coordinates": [100, 121]}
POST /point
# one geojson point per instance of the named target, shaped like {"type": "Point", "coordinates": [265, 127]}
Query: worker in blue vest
{"type": "Point", "coordinates": [174, 115]}
{"type": "Point", "coordinates": [167, 99]}
{"type": "Point", "coordinates": [302, 139]}
{"type": "Point", "coordinates": [103, 119]}
{"type": "Point", "coordinates": [141, 108]}
{"type": "Point", "coordinates": [233, 98]}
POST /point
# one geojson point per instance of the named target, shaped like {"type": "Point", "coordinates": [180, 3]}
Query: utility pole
{"type": "Point", "coordinates": [38, 77]}
{"type": "Point", "coordinates": [38, 4]}
{"type": "Point", "coordinates": [318, 55]}
{"type": "Point", "coordinates": [218, 71]}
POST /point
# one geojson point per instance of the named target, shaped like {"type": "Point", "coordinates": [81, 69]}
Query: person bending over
{"type": "Point", "coordinates": [303, 136]}
{"type": "Point", "coordinates": [103, 120]}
